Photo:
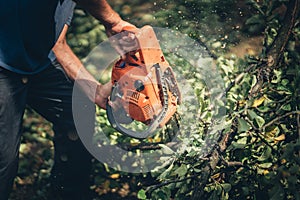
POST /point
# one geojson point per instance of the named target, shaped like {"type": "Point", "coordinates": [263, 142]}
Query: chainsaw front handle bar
{"type": "Point", "coordinates": [131, 29]}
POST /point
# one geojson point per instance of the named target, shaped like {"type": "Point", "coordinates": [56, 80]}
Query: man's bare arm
{"type": "Point", "coordinates": [102, 11]}
{"type": "Point", "coordinates": [114, 24]}
{"type": "Point", "coordinates": [75, 70]}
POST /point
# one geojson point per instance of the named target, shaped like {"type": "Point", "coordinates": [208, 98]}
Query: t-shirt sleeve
{"type": "Point", "coordinates": [69, 20]}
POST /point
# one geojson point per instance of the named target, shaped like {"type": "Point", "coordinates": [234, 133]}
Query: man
{"type": "Point", "coordinates": [29, 75]}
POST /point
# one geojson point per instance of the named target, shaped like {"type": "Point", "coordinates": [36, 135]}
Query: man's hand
{"type": "Point", "coordinates": [123, 41]}
{"type": "Point", "coordinates": [117, 27]}
{"type": "Point", "coordinates": [102, 94]}
{"type": "Point", "coordinates": [122, 36]}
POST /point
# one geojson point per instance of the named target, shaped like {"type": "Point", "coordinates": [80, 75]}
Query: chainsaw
{"type": "Point", "coordinates": [144, 87]}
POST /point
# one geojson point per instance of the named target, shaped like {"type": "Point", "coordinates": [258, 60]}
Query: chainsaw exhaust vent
{"type": "Point", "coordinates": [148, 111]}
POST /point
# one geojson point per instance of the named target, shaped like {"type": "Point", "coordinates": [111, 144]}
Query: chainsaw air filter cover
{"type": "Point", "coordinates": [145, 88]}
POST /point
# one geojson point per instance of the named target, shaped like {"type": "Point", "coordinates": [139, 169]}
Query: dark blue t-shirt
{"type": "Point", "coordinates": [28, 31]}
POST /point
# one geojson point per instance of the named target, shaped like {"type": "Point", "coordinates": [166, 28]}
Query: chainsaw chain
{"type": "Point", "coordinates": [172, 84]}
{"type": "Point", "coordinates": [164, 89]}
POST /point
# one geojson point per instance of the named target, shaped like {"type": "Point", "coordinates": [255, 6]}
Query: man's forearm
{"type": "Point", "coordinates": [65, 56]}
{"type": "Point", "coordinates": [76, 71]}
{"type": "Point", "coordinates": [101, 10]}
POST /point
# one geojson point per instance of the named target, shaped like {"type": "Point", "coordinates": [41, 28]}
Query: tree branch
{"type": "Point", "coordinates": [274, 55]}
{"type": "Point", "coordinates": [155, 187]}
{"type": "Point", "coordinates": [215, 157]}
{"type": "Point", "coordinates": [278, 119]}
{"type": "Point", "coordinates": [298, 124]}
{"type": "Point", "coordinates": [276, 49]}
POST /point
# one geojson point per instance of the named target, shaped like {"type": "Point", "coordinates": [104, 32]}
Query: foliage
{"type": "Point", "coordinates": [262, 161]}
{"type": "Point", "coordinates": [84, 33]}
{"type": "Point", "coordinates": [260, 158]}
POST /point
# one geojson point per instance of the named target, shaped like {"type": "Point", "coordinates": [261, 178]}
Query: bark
{"type": "Point", "coordinates": [276, 49]}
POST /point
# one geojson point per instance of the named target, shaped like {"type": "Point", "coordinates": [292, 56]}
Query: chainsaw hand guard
{"type": "Point", "coordinates": [145, 87]}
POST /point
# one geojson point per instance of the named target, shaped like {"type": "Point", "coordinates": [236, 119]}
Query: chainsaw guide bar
{"type": "Point", "coordinates": [144, 88]}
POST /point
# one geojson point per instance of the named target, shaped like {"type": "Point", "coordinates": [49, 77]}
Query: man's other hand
{"type": "Point", "coordinates": [102, 94]}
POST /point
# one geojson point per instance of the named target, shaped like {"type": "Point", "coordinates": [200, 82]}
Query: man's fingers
{"type": "Point", "coordinates": [102, 94]}
{"type": "Point", "coordinates": [124, 42]}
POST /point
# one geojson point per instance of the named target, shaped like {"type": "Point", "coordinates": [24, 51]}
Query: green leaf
{"type": "Point", "coordinates": [209, 188]}
{"type": "Point", "coordinates": [236, 145]}
{"type": "Point", "coordinates": [165, 149]}
{"type": "Point", "coordinates": [278, 75]}
{"type": "Point", "coordinates": [142, 194]}
{"type": "Point", "coordinates": [258, 102]}
{"type": "Point", "coordinates": [226, 187]}
{"type": "Point", "coordinates": [252, 115]}
{"type": "Point", "coordinates": [254, 81]}
{"type": "Point", "coordinates": [266, 154]}
{"type": "Point", "coordinates": [181, 171]}
{"type": "Point", "coordinates": [286, 107]}
{"type": "Point", "coordinates": [263, 109]}
{"type": "Point", "coordinates": [243, 126]}
{"type": "Point", "coordinates": [260, 121]}
{"type": "Point", "coordinates": [166, 172]}
{"type": "Point", "coordinates": [285, 82]}
{"type": "Point", "coordinates": [265, 165]}
{"type": "Point", "coordinates": [242, 141]}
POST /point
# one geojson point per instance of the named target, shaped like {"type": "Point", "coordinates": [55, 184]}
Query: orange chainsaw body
{"type": "Point", "coordinates": [141, 81]}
